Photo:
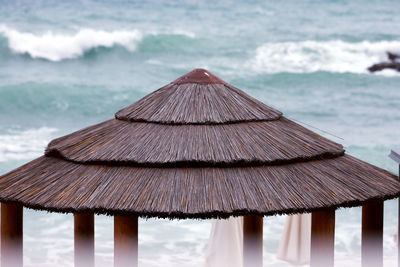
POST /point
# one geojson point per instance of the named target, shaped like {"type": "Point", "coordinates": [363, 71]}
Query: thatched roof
{"type": "Point", "coordinates": [196, 148]}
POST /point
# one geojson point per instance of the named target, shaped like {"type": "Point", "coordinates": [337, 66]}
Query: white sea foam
{"type": "Point", "coordinates": [57, 46]}
{"type": "Point", "coordinates": [20, 145]}
{"type": "Point", "coordinates": [312, 56]}
{"type": "Point", "coordinates": [178, 31]}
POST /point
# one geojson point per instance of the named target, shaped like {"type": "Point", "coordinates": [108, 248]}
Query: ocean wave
{"type": "Point", "coordinates": [312, 56]}
{"type": "Point", "coordinates": [22, 145]}
{"type": "Point", "coordinates": [57, 46]}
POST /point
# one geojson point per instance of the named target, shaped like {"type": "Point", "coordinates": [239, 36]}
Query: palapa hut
{"type": "Point", "coordinates": [196, 148]}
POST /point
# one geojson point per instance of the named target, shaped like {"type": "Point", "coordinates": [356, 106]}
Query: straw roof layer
{"type": "Point", "coordinates": [196, 148]}
{"type": "Point", "coordinates": [150, 144]}
{"type": "Point", "coordinates": [198, 97]}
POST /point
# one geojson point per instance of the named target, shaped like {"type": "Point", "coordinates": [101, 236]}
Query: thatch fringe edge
{"type": "Point", "coordinates": [55, 153]}
{"type": "Point", "coordinates": [201, 216]}
{"type": "Point", "coordinates": [123, 118]}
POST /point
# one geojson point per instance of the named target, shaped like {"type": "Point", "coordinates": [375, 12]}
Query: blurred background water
{"type": "Point", "coordinates": [65, 65]}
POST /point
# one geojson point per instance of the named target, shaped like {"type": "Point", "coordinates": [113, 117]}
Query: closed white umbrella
{"type": "Point", "coordinates": [296, 240]}
{"type": "Point", "coordinates": [225, 245]}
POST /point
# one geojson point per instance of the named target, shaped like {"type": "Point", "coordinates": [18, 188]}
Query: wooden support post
{"type": "Point", "coordinates": [395, 155]}
{"type": "Point", "coordinates": [322, 238]}
{"type": "Point", "coordinates": [11, 235]}
{"type": "Point", "coordinates": [372, 235]}
{"type": "Point", "coordinates": [252, 241]}
{"type": "Point", "coordinates": [84, 239]}
{"type": "Point", "coordinates": [398, 230]}
{"type": "Point", "coordinates": [125, 241]}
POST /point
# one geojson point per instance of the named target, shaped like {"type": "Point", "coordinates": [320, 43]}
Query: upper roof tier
{"type": "Point", "coordinates": [198, 97]}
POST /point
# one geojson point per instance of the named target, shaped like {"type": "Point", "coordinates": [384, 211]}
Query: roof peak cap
{"type": "Point", "coordinates": [200, 76]}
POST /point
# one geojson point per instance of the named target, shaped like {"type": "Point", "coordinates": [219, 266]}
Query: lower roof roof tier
{"type": "Point", "coordinates": [58, 185]}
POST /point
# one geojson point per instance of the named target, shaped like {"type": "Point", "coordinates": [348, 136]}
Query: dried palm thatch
{"type": "Point", "coordinates": [150, 144]}
{"type": "Point", "coordinates": [196, 148]}
{"type": "Point", "coordinates": [198, 97]}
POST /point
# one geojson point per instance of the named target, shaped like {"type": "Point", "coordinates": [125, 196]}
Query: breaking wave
{"type": "Point", "coordinates": [23, 145]}
{"type": "Point", "coordinates": [56, 46]}
{"type": "Point", "coordinates": [311, 56]}
{"type": "Point", "coordinates": [59, 46]}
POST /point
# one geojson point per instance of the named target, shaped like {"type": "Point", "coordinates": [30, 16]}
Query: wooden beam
{"type": "Point", "coordinates": [252, 241]}
{"type": "Point", "coordinates": [11, 235]}
{"type": "Point", "coordinates": [322, 238]}
{"type": "Point", "coordinates": [125, 241]}
{"type": "Point", "coordinates": [372, 235]}
{"type": "Point", "coordinates": [84, 239]}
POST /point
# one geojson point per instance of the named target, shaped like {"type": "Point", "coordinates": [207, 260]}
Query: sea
{"type": "Point", "coordinates": [65, 65]}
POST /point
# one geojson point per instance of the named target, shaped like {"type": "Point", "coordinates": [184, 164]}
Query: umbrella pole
{"type": "Point", "coordinates": [252, 241]}
{"type": "Point", "coordinates": [372, 235]}
{"type": "Point", "coordinates": [84, 239]}
{"type": "Point", "coordinates": [11, 235]}
{"type": "Point", "coordinates": [322, 238]}
{"type": "Point", "coordinates": [125, 241]}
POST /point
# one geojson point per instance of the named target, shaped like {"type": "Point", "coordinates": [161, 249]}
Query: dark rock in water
{"type": "Point", "coordinates": [385, 65]}
{"type": "Point", "coordinates": [392, 56]}
{"type": "Point", "coordinates": [392, 64]}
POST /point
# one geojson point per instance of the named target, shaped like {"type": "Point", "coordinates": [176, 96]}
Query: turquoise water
{"type": "Point", "coordinates": [66, 65]}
